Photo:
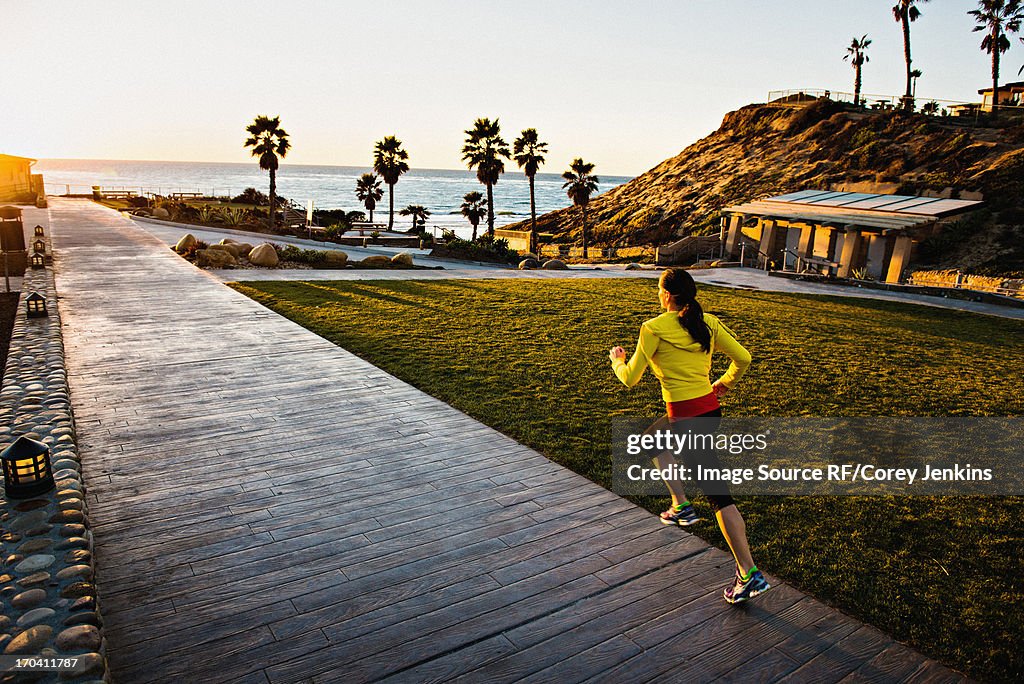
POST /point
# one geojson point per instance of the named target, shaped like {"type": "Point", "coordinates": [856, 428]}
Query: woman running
{"type": "Point", "coordinates": [678, 346]}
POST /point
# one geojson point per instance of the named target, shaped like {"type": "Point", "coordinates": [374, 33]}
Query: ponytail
{"type": "Point", "coordinates": [678, 283]}
{"type": "Point", "coordinates": [692, 319]}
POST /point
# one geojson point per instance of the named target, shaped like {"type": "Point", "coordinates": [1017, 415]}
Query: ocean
{"type": "Point", "coordinates": [330, 187]}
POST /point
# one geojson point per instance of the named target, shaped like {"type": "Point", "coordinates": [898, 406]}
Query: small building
{"type": "Point", "coordinates": [16, 178]}
{"type": "Point", "coordinates": [838, 233]}
{"type": "Point", "coordinates": [1010, 95]}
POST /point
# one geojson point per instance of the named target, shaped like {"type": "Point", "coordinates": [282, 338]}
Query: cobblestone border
{"type": "Point", "coordinates": [50, 607]}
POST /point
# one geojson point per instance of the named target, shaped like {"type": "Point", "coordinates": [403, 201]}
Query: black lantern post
{"type": "Point", "coordinates": [27, 470]}
{"type": "Point", "coordinates": [38, 261]}
{"type": "Point", "coordinates": [35, 305]}
{"type": "Point", "coordinates": [39, 231]}
{"type": "Point", "coordinates": [39, 247]}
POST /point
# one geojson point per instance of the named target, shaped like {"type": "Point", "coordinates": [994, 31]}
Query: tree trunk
{"type": "Point", "coordinates": [534, 244]}
{"type": "Point", "coordinates": [490, 210]}
{"type": "Point", "coordinates": [583, 214]}
{"type": "Point", "coordinates": [906, 56]}
{"type": "Point", "coordinates": [474, 232]}
{"type": "Point", "coordinates": [391, 205]}
{"type": "Point", "coordinates": [370, 209]}
{"type": "Point", "coordinates": [273, 193]}
{"type": "Point", "coordinates": [995, 74]}
{"type": "Point", "coordinates": [856, 88]}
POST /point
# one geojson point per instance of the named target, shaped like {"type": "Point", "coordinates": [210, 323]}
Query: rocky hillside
{"type": "Point", "coordinates": [760, 151]}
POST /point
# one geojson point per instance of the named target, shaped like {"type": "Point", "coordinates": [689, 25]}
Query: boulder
{"type": "Point", "coordinates": [402, 259]}
{"type": "Point", "coordinates": [375, 262]}
{"type": "Point", "coordinates": [336, 259]}
{"type": "Point", "coordinates": [555, 265]}
{"type": "Point", "coordinates": [233, 248]}
{"type": "Point", "coordinates": [528, 264]}
{"type": "Point", "coordinates": [222, 248]}
{"type": "Point", "coordinates": [263, 255]}
{"type": "Point", "coordinates": [228, 241]}
{"type": "Point", "coordinates": [214, 258]}
{"type": "Point", "coordinates": [161, 213]}
{"type": "Point", "coordinates": [244, 248]}
{"type": "Point", "coordinates": [187, 242]}
{"type": "Point", "coordinates": [633, 266]}
{"type": "Point", "coordinates": [531, 255]}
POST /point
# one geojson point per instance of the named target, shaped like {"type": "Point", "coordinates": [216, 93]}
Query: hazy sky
{"type": "Point", "coordinates": [623, 84]}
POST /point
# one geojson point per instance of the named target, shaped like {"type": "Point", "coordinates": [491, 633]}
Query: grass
{"type": "Point", "coordinates": [530, 359]}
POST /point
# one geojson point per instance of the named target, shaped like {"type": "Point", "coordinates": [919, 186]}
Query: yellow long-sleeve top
{"type": "Point", "coordinates": [677, 360]}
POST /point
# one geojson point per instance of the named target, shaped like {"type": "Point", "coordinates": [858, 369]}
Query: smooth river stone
{"type": "Point", "coordinates": [79, 638]}
{"type": "Point", "coordinates": [35, 545]}
{"type": "Point", "coordinates": [88, 664]}
{"type": "Point", "coordinates": [35, 616]}
{"type": "Point", "coordinates": [31, 641]}
{"type": "Point", "coordinates": [29, 599]}
{"type": "Point", "coordinates": [35, 563]}
{"type": "Point", "coordinates": [75, 571]}
{"type": "Point", "coordinates": [68, 516]}
{"type": "Point", "coordinates": [28, 521]}
{"type": "Point", "coordinates": [76, 589]}
{"type": "Point", "coordinates": [34, 579]}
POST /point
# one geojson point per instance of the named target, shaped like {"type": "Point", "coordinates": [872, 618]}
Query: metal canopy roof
{"type": "Point", "coordinates": [855, 209]}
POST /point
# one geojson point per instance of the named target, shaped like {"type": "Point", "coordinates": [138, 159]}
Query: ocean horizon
{"type": "Point", "coordinates": [330, 187]}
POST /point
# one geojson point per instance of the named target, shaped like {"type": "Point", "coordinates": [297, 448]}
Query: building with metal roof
{"type": "Point", "coordinates": [840, 232]}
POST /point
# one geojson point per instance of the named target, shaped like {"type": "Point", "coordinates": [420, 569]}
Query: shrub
{"type": "Point", "coordinates": [819, 110]}
{"type": "Point", "coordinates": [312, 257]}
{"type": "Point", "coordinates": [485, 248]}
{"type": "Point", "coordinates": [138, 202]}
{"type": "Point", "coordinates": [233, 216]}
{"type": "Point", "coordinates": [251, 196]}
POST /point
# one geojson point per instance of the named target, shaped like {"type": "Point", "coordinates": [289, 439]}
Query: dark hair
{"type": "Point", "coordinates": [678, 283]}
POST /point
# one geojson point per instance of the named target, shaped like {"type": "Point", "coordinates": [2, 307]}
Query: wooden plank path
{"type": "Point", "coordinates": [267, 507]}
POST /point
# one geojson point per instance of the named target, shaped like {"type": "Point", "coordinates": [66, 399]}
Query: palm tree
{"type": "Point", "coordinates": [529, 155]}
{"type": "Point", "coordinates": [905, 12]}
{"type": "Point", "coordinates": [997, 18]}
{"type": "Point", "coordinates": [579, 184]}
{"type": "Point", "coordinates": [369, 192]}
{"type": "Point", "coordinates": [268, 142]}
{"type": "Point", "coordinates": [483, 150]}
{"type": "Point", "coordinates": [389, 160]}
{"type": "Point", "coordinates": [419, 214]}
{"type": "Point", "coordinates": [857, 54]}
{"type": "Point", "coordinates": [474, 209]}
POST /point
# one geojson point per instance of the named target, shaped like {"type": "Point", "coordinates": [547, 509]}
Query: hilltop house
{"type": "Point", "coordinates": [846, 234]}
{"type": "Point", "coordinates": [16, 179]}
{"type": "Point", "coordinates": [1010, 94]}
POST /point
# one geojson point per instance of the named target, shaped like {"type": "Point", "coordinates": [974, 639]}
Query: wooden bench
{"type": "Point", "coordinates": [187, 195]}
{"type": "Point", "coordinates": [118, 194]}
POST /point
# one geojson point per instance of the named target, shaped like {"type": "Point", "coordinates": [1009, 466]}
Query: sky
{"type": "Point", "coordinates": [621, 84]}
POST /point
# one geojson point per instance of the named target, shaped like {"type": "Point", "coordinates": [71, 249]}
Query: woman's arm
{"type": "Point", "coordinates": [630, 372]}
{"type": "Point", "coordinates": [725, 341]}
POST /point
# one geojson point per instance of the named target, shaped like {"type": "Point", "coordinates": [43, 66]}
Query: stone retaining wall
{"type": "Point", "coordinates": [50, 607]}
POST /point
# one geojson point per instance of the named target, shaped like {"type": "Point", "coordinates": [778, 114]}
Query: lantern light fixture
{"type": "Point", "coordinates": [39, 246]}
{"type": "Point", "coordinates": [39, 231]}
{"type": "Point", "coordinates": [35, 306]}
{"type": "Point", "coordinates": [38, 261]}
{"type": "Point", "coordinates": [27, 469]}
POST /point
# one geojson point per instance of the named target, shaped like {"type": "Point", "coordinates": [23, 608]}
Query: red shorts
{"type": "Point", "coordinates": [693, 407]}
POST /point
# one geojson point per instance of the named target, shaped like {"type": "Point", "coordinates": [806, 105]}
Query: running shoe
{"type": "Point", "coordinates": [743, 590]}
{"type": "Point", "coordinates": [684, 517]}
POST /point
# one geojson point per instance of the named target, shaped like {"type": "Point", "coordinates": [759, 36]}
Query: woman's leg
{"type": "Point", "coordinates": [665, 459]}
{"type": "Point", "coordinates": [735, 532]}
{"type": "Point", "coordinates": [675, 487]}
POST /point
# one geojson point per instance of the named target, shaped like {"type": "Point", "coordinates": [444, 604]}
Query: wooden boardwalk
{"type": "Point", "coordinates": [270, 508]}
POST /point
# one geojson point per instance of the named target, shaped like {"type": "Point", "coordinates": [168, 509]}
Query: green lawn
{"type": "Point", "coordinates": [530, 359]}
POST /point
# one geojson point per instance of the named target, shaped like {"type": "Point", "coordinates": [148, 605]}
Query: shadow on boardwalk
{"type": "Point", "coordinates": [270, 508]}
